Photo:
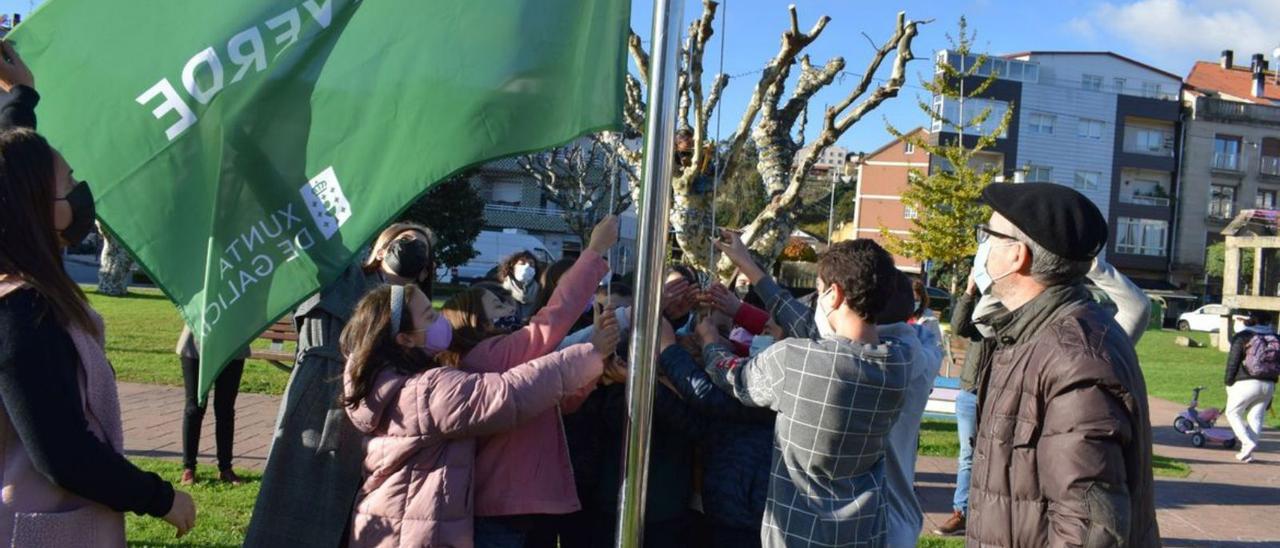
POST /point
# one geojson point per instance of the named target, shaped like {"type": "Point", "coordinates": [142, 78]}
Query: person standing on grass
{"type": "Point", "coordinates": [1133, 310]}
{"type": "Point", "coordinates": [225, 389]}
{"type": "Point", "coordinates": [837, 388]}
{"type": "Point", "coordinates": [313, 467]}
{"type": "Point", "coordinates": [1253, 366]}
{"type": "Point", "coordinates": [1063, 444]}
{"type": "Point", "coordinates": [65, 480]}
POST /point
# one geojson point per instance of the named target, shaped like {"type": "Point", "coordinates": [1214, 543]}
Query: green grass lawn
{"type": "Point", "coordinates": [222, 511]}
{"type": "Point", "coordinates": [142, 333]}
{"type": "Point", "coordinates": [1172, 371]}
{"type": "Point", "coordinates": [930, 541]}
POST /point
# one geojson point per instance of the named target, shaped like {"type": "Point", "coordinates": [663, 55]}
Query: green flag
{"type": "Point", "coordinates": [245, 150]}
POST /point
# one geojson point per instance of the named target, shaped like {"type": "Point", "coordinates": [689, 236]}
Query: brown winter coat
{"type": "Point", "coordinates": [1063, 450]}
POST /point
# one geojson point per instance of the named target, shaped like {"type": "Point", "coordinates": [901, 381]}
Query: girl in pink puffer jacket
{"type": "Point", "coordinates": [420, 418]}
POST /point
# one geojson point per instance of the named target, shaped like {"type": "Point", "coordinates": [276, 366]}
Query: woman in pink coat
{"type": "Point", "coordinates": [421, 418]}
{"type": "Point", "coordinates": [524, 474]}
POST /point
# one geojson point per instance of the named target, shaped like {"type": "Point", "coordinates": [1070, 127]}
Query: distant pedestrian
{"type": "Point", "coordinates": [225, 389]}
{"type": "Point", "coordinates": [1253, 366]}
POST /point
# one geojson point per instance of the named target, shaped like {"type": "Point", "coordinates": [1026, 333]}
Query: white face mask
{"type": "Point", "coordinates": [820, 314]}
{"type": "Point", "coordinates": [524, 273]}
{"type": "Point", "coordinates": [981, 277]}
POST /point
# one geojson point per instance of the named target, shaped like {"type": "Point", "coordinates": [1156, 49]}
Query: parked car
{"type": "Point", "coordinates": [1208, 319]}
{"type": "Point", "coordinates": [939, 301]}
{"type": "Point", "coordinates": [491, 248]}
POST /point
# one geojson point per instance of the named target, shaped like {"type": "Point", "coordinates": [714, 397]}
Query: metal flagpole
{"type": "Point", "coordinates": [660, 127]}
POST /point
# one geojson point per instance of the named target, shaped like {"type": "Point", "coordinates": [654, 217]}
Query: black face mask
{"type": "Point", "coordinates": [83, 214]}
{"type": "Point", "coordinates": [407, 258]}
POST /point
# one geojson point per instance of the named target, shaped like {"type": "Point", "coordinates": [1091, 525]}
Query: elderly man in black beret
{"type": "Point", "coordinates": [1063, 447]}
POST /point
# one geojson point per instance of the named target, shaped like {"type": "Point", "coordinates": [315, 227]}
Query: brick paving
{"type": "Point", "coordinates": [1223, 503]}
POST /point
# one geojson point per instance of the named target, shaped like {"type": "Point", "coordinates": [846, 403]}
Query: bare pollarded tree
{"type": "Point", "coordinates": [774, 119]}
{"type": "Point", "coordinates": [582, 178]}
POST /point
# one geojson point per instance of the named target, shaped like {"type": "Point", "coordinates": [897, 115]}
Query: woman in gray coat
{"type": "Point", "coordinates": [314, 466]}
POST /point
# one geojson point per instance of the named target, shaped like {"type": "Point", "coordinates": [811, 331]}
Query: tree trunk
{"type": "Point", "coordinates": [116, 270]}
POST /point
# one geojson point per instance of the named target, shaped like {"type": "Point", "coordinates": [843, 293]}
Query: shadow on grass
{"type": "Point", "coordinates": [133, 296]}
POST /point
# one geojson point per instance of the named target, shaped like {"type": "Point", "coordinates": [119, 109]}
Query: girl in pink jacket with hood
{"type": "Point", "coordinates": [524, 474]}
{"type": "Point", "coordinates": [421, 417]}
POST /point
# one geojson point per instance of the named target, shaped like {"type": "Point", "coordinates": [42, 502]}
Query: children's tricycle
{"type": "Point", "coordinates": [1200, 424]}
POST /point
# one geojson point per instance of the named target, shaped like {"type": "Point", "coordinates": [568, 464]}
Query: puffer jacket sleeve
{"type": "Point", "coordinates": [1133, 307]}
{"type": "Point", "coordinates": [1081, 456]}
{"type": "Point", "coordinates": [696, 388]}
{"type": "Point", "coordinates": [461, 404]}
{"type": "Point", "coordinates": [18, 108]}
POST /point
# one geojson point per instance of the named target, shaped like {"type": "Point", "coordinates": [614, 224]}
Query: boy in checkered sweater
{"type": "Point", "coordinates": [837, 389]}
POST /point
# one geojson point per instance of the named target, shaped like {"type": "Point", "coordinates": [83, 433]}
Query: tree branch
{"type": "Point", "coordinates": [638, 55]}
{"type": "Point", "coordinates": [811, 80]}
{"type": "Point", "coordinates": [792, 43]}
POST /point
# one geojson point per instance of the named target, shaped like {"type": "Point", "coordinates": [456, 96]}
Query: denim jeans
{"type": "Point", "coordinates": [966, 423]}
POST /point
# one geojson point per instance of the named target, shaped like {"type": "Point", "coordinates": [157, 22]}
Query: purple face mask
{"type": "Point", "coordinates": [439, 336]}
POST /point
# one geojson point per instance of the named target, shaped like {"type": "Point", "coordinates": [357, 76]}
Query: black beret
{"type": "Point", "coordinates": [1057, 217]}
{"type": "Point", "coordinates": [902, 301]}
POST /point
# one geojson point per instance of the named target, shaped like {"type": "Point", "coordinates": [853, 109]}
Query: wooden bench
{"type": "Point", "coordinates": [279, 333]}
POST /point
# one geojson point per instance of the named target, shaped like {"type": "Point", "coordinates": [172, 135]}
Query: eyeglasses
{"type": "Point", "coordinates": [984, 232]}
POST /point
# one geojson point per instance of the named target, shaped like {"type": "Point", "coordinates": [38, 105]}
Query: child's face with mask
{"type": "Point", "coordinates": [431, 331]}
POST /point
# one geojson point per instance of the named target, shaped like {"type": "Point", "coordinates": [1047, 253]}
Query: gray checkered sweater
{"type": "Point", "coordinates": [836, 401]}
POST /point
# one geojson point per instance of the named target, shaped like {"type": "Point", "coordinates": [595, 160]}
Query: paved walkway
{"type": "Point", "coordinates": [1223, 503]}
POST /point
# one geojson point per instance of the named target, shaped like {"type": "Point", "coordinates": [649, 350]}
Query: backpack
{"type": "Point", "coordinates": [1262, 356]}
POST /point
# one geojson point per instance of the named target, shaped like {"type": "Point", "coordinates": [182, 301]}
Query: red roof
{"type": "Point", "coordinates": [1207, 76]}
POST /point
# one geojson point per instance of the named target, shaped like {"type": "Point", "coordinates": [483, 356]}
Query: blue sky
{"type": "Point", "coordinates": [1169, 34]}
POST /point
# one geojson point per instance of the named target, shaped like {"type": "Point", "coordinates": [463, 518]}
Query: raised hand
{"type": "Point", "coordinates": [13, 71]}
{"type": "Point", "coordinates": [604, 235]}
{"type": "Point", "coordinates": [730, 243]}
{"type": "Point", "coordinates": [677, 298]}
{"type": "Point", "coordinates": [708, 333]}
{"type": "Point", "coordinates": [606, 334]}
{"type": "Point", "coordinates": [719, 297]}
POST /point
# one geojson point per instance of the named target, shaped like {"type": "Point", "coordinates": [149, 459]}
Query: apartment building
{"type": "Point", "coordinates": [882, 177]}
{"type": "Point", "coordinates": [1098, 122]}
{"type": "Point", "coordinates": [1231, 160]}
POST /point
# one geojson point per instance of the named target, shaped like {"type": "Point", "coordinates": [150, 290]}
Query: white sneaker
{"type": "Point", "coordinates": [1245, 456]}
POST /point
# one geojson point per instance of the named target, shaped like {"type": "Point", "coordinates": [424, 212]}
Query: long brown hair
{"type": "Point", "coordinates": [550, 280]}
{"type": "Point", "coordinates": [369, 347]}
{"type": "Point", "coordinates": [471, 325]}
{"type": "Point", "coordinates": [30, 247]}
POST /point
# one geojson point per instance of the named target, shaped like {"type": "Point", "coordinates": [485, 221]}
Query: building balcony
{"type": "Point", "coordinates": [1225, 163]}
{"type": "Point", "coordinates": [1145, 199]}
{"type": "Point", "coordinates": [1231, 111]}
{"type": "Point", "coordinates": [1270, 166]}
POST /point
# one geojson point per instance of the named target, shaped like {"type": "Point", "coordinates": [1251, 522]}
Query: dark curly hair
{"type": "Point", "coordinates": [508, 266]}
{"type": "Point", "coordinates": [865, 272]}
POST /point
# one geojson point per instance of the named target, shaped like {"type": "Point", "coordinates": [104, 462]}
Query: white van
{"type": "Point", "coordinates": [491, 248]}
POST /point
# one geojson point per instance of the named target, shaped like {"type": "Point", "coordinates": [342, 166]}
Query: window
{"type": "Point", "coordinates": [1042, 123]}
{"type": "Point", "coordinates": [1087, 180]}
{"type": "Point", "coordinates": [1091, 82]}
{"type": "Point", "coordinates": [1266, 199]}
{"type": "Point", "coordinates": [507, 193]}
{"type": "Point", "coordinates": [1222, 201]}
{"type": "Point", "coordinates": [1039, 174]}
{"type": "Point", "coordinates": [1119, 83]}
{"type": "Point", "coordinates": [1151, 89]}
{"type": "Point", "coordinates": [1145, 192]}
{"type": "Point", "coordinates": [1152, 141]}
{"type": "Point", "coordinates": [973, 108]}
{"type": "Point", "coordinates": [908, 212]}
{"type": "Point", "coordinates": [1141, 236]}
{"type": "Point", "coordinates": [1226, 152]}
{"type": "Point", "coordinates": [911, 147]}
{"type": "Point", "coordinates": [1089, 129]}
